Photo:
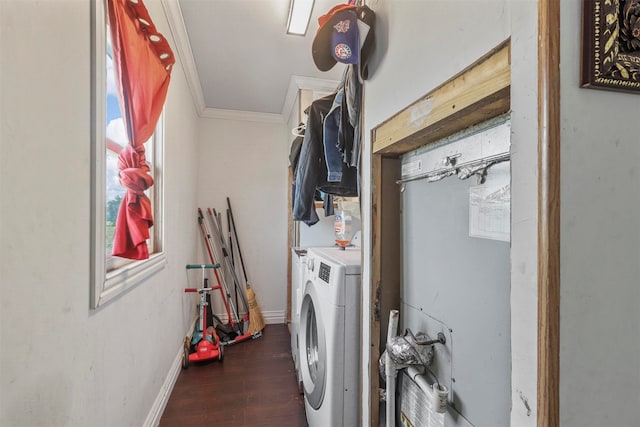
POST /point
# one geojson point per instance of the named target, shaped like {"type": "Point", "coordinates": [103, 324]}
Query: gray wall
{"type": "Point", "coordinates": [60, 363]}
{"type": "Point", "coordinates": [460, 286]}
{"type": "Point", "coordinates": [600, 246]}
{"type": "Point", "coordinates": [247, 162]}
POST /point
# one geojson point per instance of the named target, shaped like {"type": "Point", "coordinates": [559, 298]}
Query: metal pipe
{"type": "Point", "coordinates": [441, 173]}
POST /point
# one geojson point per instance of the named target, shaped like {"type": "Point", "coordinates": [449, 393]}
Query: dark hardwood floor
{"type": "Point", "coordinates": [255, 385]}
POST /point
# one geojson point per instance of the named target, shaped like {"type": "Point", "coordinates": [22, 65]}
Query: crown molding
{"type": "Point", "coordinates": [247, 116]}
{"type": "Point", "coordinates": [297, 83]}
{"type": "Point", "coordinates": [183, 47]}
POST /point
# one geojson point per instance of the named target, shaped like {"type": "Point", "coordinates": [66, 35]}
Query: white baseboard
{"type": "Point", "coordinates": [153, 418]}
{"type": "Point", "coordinates": [270, 317]}
{"type": "Point", "coordinates": [273, 317]}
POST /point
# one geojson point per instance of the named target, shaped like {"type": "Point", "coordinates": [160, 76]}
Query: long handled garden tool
{"type": "Point", "coordinates": [256, 322]}
{"type": "Point", "coordinates": [231, 254]}
{"type": "Point", "coordinates": [229, 269]}
{"type": "Point", "coordinates": [222, 288]}
{"type": "Point", "coordinates": [221, 247]}
{"type": "Point", "coordinates": [232, 313]}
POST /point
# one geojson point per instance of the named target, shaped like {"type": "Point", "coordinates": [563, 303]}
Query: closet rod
{"type": "Point", "coordinates": [472, 167]}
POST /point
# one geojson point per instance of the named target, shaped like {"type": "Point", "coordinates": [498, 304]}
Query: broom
{"type": "Point", "coordinates": [256, 321]}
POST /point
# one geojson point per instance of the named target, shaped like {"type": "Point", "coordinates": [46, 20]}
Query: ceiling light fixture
{"type": "Point", "coordinates": [299, 16]}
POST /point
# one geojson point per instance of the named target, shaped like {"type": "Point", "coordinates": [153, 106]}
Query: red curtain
{"type": "Point", "coordinates": [142, 60]}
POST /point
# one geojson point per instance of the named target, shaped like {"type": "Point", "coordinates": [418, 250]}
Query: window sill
{"type": "Point", "coordinates": [129, 276]}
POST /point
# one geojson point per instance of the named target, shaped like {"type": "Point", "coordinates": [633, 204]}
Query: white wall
{"type": "Point", "coordinates": [600, 246]}
{"type": "Point", "coordinates": [248, 162]}
{"type": "Point", "coordinates": [524, 206]}
{"type": "Point", "coordinates": [421, 44]}
{"type": "Point", "coordinates": [61, 363]}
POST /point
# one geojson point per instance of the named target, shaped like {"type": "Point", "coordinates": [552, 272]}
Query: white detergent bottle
{"type": "Point", "coordinates": [343, 226]}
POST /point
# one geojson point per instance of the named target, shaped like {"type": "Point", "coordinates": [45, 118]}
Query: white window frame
{"type": "Point", "coordinates": [108, 285]}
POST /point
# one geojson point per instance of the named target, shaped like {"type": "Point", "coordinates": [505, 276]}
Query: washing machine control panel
{"type": "Point", "coordinates": [324, 272]}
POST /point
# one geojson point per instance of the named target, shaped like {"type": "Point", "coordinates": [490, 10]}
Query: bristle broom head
{"type": "Point", "coordinates": [256, 321]}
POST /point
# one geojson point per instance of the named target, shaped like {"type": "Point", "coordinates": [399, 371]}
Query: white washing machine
{"type": "Point", "coordinates": [299, 256]}
{"type": "Point", "coordinates": [329, 336]}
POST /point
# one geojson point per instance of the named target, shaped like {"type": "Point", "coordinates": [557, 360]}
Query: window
{"type": "Point", "coordinates": [113, 275]}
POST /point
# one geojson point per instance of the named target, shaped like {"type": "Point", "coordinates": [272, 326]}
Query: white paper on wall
{"type": "Point", "coordinates": [490, 206]}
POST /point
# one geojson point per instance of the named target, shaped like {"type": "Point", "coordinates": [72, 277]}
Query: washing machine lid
{"type": "Point", "coordinates": [350, 257]}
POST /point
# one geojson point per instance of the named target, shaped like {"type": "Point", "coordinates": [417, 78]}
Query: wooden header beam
{"type": "Point", "coordinates": [478, 93]}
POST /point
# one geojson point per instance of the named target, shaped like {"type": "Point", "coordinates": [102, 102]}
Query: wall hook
{"type": "Point", "coordinates": [440, 340]}
{"type": "Point", "coordinates": [451, 160]}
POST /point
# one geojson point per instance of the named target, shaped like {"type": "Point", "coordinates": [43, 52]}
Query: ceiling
{"type": "Point", "coordinates": [239, 61]}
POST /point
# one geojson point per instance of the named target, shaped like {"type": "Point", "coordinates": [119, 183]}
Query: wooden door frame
{"type": "Point", "coordinates": [548, 213]}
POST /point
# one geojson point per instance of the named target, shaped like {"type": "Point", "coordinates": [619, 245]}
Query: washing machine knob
{"type": "Point", "coordinates": [310, 264]}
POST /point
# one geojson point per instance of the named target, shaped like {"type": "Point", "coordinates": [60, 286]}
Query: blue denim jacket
{"type": "Point", "coordinates": [331, 135]}
{"type": "Point", "coordinates": [342, 136]}
{"type": "Point", "coordinates": [312, 169]}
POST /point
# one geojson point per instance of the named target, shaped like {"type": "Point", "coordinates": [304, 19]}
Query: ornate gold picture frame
{"type": "Point", "coordinates": [611, 45]}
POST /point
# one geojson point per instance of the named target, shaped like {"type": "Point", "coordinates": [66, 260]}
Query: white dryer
{"type": "Point", "coordinates": [329, 336]}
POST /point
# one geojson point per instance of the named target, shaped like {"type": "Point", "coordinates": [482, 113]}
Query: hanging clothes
{"type": "Point", "coordinates": [312, 170]}
{"type": "Point", "coordinates": [294, 155]}
{"type": "Point", "coordinates": [331, 138]}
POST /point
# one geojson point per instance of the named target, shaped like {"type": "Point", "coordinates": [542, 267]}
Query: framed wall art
{"type": "Point", "coordinates": [611, 45]}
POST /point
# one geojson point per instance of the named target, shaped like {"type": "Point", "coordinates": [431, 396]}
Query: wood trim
{"type": "Point", "coordinates": [290, 244]}
{"type": "Point", "coordinates": [386, 262]}
{"type": "Point", "coordinates": [374, 285]}
{"type": "Point", "coordinates": [548, 213]}
{"type": "Point", "coordinates": [476, 94]}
